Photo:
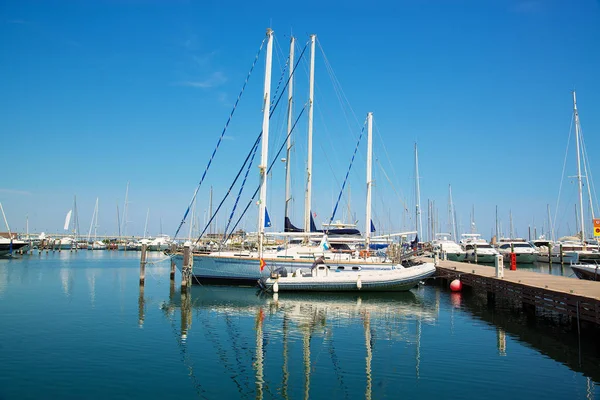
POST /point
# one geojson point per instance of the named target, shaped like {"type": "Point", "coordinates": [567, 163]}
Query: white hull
{"type": "Point", "coordinates": [486, 257]}
{"type": "Point", "coordinates": [325, 279]}
{"type": "Point", "coordinates": [245, 268]}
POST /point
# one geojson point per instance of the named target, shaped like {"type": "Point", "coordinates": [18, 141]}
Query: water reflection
{"type": "Point", "coordinates": [553, 338]}
{"type": "Point", "coordinates": [285, 345]}
{"type": "Point", "coordinates": [282, 322]}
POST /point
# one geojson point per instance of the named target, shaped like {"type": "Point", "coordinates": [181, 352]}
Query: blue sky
{"type": "Point", "coordinates": [95, 94]}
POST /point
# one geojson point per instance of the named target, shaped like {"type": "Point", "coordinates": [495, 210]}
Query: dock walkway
{"type": "Point", "coordinates": [568, 296]}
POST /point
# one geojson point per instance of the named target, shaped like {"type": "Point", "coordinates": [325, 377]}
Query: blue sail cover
{"type": "Point", "coordinates": [267, 219]}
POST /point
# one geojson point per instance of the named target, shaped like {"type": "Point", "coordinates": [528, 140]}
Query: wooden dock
{"type": "Point", "coordinates": [575, 298]}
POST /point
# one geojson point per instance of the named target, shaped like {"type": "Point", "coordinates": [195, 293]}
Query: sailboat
{"type": "Point", "coordinates": [72, 225]}
{"type": "Point", "coordinates": [8, 245]}
{"type": "Point", "coordinates": [246, 267]}
{"type": "Point", "coordinates": [95, 244]}
{"type": "Point", "coordinates": [583, 257]}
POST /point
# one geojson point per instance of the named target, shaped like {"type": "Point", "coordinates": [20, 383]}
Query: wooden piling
{"type": "Point", "coordinates": [143, 264]}
{"type": "Point", "coordinates": [172, 276]}
{"type": "Point", "coordinates": [562, 261]}
{"type": "Point", "coordinates": [186, 270]}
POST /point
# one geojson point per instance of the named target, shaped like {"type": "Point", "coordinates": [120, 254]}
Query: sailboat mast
{"type": "Point", "coordinates": [418, 222]}
{"type": "Point", "coordinates": [497, 227]}
{"type": "Point", "coordinates": [579, 181]}
{"type": "Point", "coordinates": [311, 92]}
{"type": "Point", "coordinates": [452, 214]}
{"type": "Point", "coordinates": [369, 177]}
{"type": "Point", "coordinates": [264, 159]}
{"type": "Point", "coordinates": [551, 235]}
{"type": "Point", "coordinates": [146, 224]}
{"type": "Point", "coordinates": [512, 232]}
{"type": "Point", "coordinates": [288, 195]}
{"type": "Point", "coordinates": [124, 220]}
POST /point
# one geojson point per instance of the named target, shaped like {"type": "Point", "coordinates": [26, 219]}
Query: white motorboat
{"type": "Point", "coordinates": [525, 252]}
{"type": "Point", "coordinates": [477, 249]}
{"type": "Point", "coordinates": [444, 244]}
{"type": "Point", "coordinates": [590, 272]}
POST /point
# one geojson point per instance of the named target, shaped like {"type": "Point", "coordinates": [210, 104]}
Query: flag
{"type": "Point", "coordinates": [596, 227]}
{"type": "Point", "coordinates": [267, 219]}
{"type": "Point", "coordinates": [262, 264]}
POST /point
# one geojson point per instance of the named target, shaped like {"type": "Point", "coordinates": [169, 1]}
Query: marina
{"type": "Point", "coordinates": [107, 332]}
{"type": "Point", "coordinates": [386, 201]}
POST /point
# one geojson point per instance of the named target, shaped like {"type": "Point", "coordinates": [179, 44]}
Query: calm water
{"type": "Point", "coordinates": [75, 325]}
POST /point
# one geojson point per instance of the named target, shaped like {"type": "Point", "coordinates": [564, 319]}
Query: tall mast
{"type": "Point", "coordinates": [418, 222]}
{"type": "Point", "coordinates": [210, 206]}
{"type": "Point", "coordinates": [264, 159]}
{"type": "Point", "coordinates": [512, 232]}
{"type": "Point", "coordinates": [311, 91]}
{"type": "Point", "coordinates": [497, 227]}
{"type": "Point", "coordinates": [579, 182]}
{"type": "Point", "coordinates": [550, 223]}
{"type": "Point", "coordinates": [369, 177]}
{"type": "Point", "coordinates": [75, 218]}
{"type": "Point", "coordinates": [452, 214]}
{"type": "Point", "coordinates": [124, 220]}
{"type": "Point", "coordinates": [288, 195]}
{"type": "Point", "coordinates": [146, 224]}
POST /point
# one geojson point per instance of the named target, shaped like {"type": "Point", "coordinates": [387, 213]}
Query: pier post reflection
{"type": "Point", "coordinates": [501, 340]}
{"type": "Point", "coordinates": [369, 357]}
{"type": "Point", "coordinates": [186, 314]}
{"type": "Point", "coordinates": [259, 355]}
{"type": "Point", "coordinates": [141, 307]}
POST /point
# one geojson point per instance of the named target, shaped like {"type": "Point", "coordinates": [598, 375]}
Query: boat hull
{"type": "Point", "coordinates": [396, 280]}
{"type": "Point", "coordinates": [588, 272]}
{"type": "Point", "coordinates": [243, 270]}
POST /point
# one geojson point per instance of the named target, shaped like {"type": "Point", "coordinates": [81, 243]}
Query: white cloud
{"type": "Point", "coordinates": [216, 79]}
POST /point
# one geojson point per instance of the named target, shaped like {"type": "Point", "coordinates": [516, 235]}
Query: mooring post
{"type": "Point", "coordinates": [475, 252]}
{"type": "Point", "coordinates": [499, 264]}
{"type": "Point", "coordinates": [173, 247]}
{"type": "Point", "coordinates": [143, 264]}
{"type": "Point", "coordinates": [436, 258]}
{"type": "Point", "coordinates": [562, 260]}
{"type": "Point", "coordinates": [186, 270]}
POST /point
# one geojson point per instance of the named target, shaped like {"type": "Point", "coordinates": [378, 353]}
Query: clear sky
{"type": "Point", "coordinates": [95, 94]}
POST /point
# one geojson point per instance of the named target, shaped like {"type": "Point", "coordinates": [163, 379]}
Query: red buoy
{"type": "Point", "coordinates": [456, 285]}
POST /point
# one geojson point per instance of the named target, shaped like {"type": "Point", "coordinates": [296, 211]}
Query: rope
{"type": "Point", "coordinates": [220, 138]}
{"type": "Point", "coordinates": [347, 173]}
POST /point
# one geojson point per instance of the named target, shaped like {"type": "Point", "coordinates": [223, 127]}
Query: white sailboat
{"type": "Point", "coordinates": [246, 267]}
{"type": "Point", "coordinates": [95, 244]}
{"type": "Point", "coordinates": [577, 250]}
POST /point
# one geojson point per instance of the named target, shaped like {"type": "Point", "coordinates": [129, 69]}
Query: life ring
{"type": "Point", "coordinates": [364, 253]}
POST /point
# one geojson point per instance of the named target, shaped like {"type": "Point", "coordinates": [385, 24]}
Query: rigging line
{"type": "Point", "coordinates": [327, 63]}
{"type": "Point", "coordinates": [347, 173]}
{"type": "Point", "coordinates": [268, 170]}
{"type": "Point", "coordinates": [563, 172]}
{"type": "Point", "coordinates": [392, 185]}
{"type": "Point", "coordinates": [221, 137]}
{"type": "Point", "coordinates": [252, 150]}
{"type": "Point", "coordinates": [256, 143]}
{"type": "Point", "coordinates": [588, 175]}
{"type": "Point", "coordinates": [239, 194]}
{"type": "Point", "coordinates": [389, 160]}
